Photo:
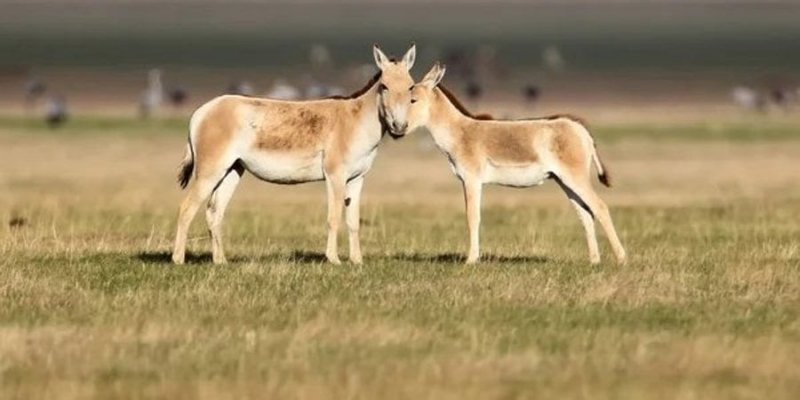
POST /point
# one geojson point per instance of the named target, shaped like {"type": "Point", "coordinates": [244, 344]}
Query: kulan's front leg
{"type": "Point", "coordinates": [336, 190]}
{"type": "Point", "coordinates": [352, 204]}
{"type": "Point", "coordinates": [472, 198]}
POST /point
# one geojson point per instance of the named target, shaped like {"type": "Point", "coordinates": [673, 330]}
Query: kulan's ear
{"type": "Point", "coordinates": [411, 55]}
{"type": "Point", "coordinates": [380, 59]}
{"type": "Point", "coordinates": [434, 76]}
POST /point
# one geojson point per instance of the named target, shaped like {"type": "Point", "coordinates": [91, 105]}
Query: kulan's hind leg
{"type": "Point", "coordinates": [588, 227]}
{"type": "Point", "coordinates": [604, 216]}
{"type": "Point", "coordinates": [198, 191]}
{"type": "Point", "coordinates": [215, 211]}
{"type": "Point", "coordinates": [581, 193]}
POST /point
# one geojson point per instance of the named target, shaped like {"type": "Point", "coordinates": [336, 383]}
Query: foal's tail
{"type": "Point", "coordinates": [602, 171]}
{"type": "Point", "coordinates": [187, 166]}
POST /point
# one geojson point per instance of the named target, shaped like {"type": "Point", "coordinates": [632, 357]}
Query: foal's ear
{"type": "Point", "coordinates": [411, 55]}
{"type": "Point", "coordinates": [434, 76]}
{"type": "Point", "coordinates": [380, 59]}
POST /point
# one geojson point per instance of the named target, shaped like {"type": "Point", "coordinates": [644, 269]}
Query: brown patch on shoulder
{"type": "Point", "coordinates": [310, 120]}
{"type": "Point", "coordinates": [509, 145]}
{"type": "Point", "coordinates": [292, 129]}
{"type": "Point", "coordinates": [356, 107]}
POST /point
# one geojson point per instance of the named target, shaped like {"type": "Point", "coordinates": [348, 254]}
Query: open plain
{"type": "Point", "coordinates": [707, 307]}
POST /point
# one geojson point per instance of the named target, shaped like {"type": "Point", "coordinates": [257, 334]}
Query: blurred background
{"type": "Point", "coordinates": [610, 61]}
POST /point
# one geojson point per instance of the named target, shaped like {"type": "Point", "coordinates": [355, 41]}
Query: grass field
{"type": "Point", "coordinates": [707, 307]}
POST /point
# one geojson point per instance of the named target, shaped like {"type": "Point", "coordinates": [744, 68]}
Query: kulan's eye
{"type": "Point", "coordinates": [413, 101]}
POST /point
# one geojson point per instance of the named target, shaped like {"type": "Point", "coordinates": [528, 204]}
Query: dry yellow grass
{"type": "Point", "coordinates": [89, 306]}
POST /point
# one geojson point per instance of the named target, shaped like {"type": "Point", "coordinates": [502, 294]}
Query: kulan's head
{"type": "Point", "coordinates": [394, 90]}
{"type": "Point", "coordinates": [421, 97]}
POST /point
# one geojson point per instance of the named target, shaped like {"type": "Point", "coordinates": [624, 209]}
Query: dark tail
{"type": "Point", "coordinates": [186, 167]}
{"type": "Point", "coordinates": [602, 171]}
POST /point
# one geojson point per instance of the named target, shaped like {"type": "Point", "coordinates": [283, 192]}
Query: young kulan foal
{"type": "Point", "coordinates": [513, 153]}
{"type": "Point", "coordinates": [291, 142]}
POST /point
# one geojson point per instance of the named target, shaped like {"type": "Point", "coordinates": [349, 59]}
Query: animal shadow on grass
{"type": "Point", "coordinates": [298, 256]}
{"type": "Point", "coordinates": [460, 258]}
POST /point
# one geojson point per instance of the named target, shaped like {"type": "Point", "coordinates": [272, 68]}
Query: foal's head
{"type": "Point", "coordinates": [394, 90]}
{"type": "Point", "coordinates": [421, 97]}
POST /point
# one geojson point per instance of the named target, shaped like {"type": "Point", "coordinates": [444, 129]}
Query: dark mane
{"type": "Point", "coordinates": [359, 92]}
{"type": "Point", "coordinates": [460, 107]}
{"type": "Point", "coordinates": [571, 117]}
{"type": "Point", "coordinates": [488, 117]}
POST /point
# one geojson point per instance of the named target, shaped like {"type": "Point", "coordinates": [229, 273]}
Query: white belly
{"type": "Point", "coordinates": [516, 176]}
{"type": "Point", "coordinates": [285, 168]}
{"type": "Point", "coordinates": [360, 165]}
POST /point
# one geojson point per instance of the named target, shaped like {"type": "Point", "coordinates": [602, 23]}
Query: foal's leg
{"type": "Point", "coordinates": [588, 199]}
{"type": "Point", "coordinates": [352, 203]}
{"type": "Point", "coordinates": [591, 235]}
{"type": "Point", "coordinates": [335, 183]}
{"type": "Point", "coordinates": [472, 198]}
{"type": "Point", "coordinates": [199, 190]}
{"type": "Point", "coordinates": [215, 211]}
{"type": "Point", "coordinates": [601, 212]}
{"type": "Point", "coordinates": [586, 217]}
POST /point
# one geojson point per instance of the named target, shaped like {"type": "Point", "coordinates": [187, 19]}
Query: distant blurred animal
{"type": "Point", "coordinates": [474, 90]}
{"type": "Point", "coordinates": [320, 90]}
{"type": "Point", "coordinates": [241, 88]}
{"type": "Point", "coordinates": [552, 59]}
{"type": "Point", "coordinates": [531, 92]}
{"type": "Point", "coordinates": [315, 90]}
{"type": "Point", "coordinates": [292, 142]}
{"type": "Point", "coordinates": [748, 98]}
{"type": "Point", "coordinates": [177, 96]}
{"type": "Point", "coordinates": [153, 95]}
{"type": "Point", "coordinates": [34, 89]}
{"type": "Point", "coordinates": [782, 97]}
{"type": "Point", "coordinates": [282, 90]}
{"type": "Point", "coordinates": [320, 57]}
{"type": "Point", "coordinates": [460, 62]}
{"type": "Point", "coordinates": [364, 71]}
{"type": "Point", "coordinates": [56, 111]}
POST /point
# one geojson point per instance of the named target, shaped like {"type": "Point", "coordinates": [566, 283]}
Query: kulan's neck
{"type": "Point", "coordinates": [446, 121]}
{"type": "Point", "coordinates": [365, 108]}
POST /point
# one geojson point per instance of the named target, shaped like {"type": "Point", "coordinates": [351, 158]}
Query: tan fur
{"type": "Point", "coordinates": [292, 142]}
{"type": "Point", "coordinates": [513, 153]}
{"type": "Point", "coordinates": [292, 129]}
